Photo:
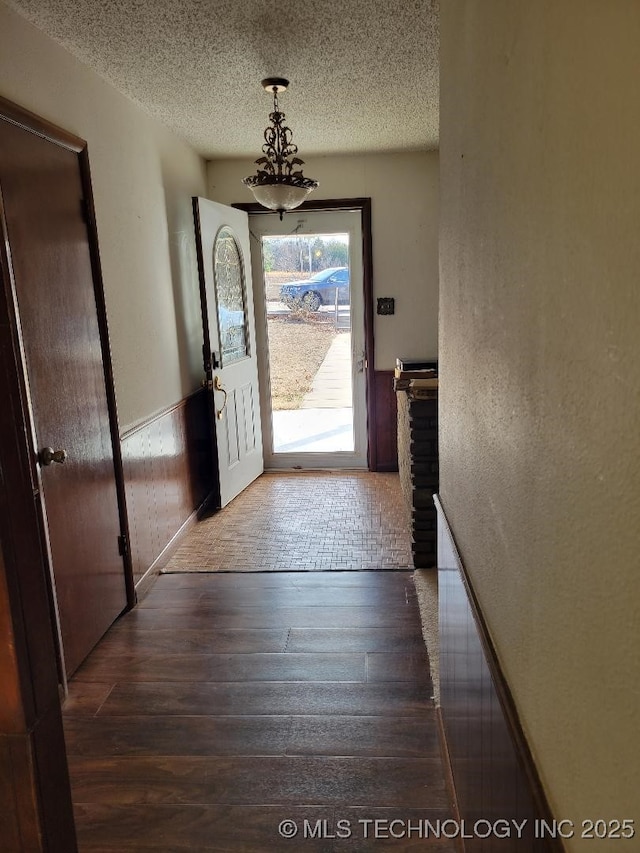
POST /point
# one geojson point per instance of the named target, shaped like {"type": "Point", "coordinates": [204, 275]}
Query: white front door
{"type": "Point", "coordinates": [311, 338]}
{"type": "Point", "coordinates": [230, 354]}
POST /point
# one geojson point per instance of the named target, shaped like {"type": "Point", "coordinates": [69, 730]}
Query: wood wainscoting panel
{"type": "Point", "coordinates": [385, 422]}
{"type": "Point", "coordinates": [493, 771]}
{"type": "Point", "coordinates": [169, 473]}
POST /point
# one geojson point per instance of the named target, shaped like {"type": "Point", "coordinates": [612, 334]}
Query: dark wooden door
{"type": "Point", "coordinates": [44, 212]}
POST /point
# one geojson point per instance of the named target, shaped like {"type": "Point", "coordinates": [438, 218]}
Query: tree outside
{"type": "Point", "coordinates": [303, 254]}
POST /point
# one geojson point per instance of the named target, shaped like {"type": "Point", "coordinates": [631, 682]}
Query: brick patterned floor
{"type": "Point", "coordinates": [304, 521]}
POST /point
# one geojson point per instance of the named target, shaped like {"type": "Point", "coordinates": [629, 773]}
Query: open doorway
{"type": "Point", "coordinates": [308, 288]}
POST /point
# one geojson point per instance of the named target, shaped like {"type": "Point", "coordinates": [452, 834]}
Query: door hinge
{"type": "Point", "coordinates": [123, 545]}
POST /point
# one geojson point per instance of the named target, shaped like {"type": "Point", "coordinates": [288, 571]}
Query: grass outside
{"type": "Point", "coordinates": [297, 347]}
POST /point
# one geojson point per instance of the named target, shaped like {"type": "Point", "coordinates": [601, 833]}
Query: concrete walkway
{"type": "Point", "coordinates": [331, 388]}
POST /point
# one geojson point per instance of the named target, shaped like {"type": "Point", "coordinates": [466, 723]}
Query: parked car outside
{"type": "Point", "coordinates": [318, 290]}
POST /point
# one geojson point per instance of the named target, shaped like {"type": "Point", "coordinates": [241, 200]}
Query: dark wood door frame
{"type": "Point", "coordinates": [33, 764]}
{"type": "Point", "coordinates": [364, 206]}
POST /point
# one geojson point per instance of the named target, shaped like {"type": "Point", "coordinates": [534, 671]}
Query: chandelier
{"type": "Point", "coordinates": [277, 184]}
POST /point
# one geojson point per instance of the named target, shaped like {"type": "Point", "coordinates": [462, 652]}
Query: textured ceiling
{"type": "Point", "coordinates": [364, 73]}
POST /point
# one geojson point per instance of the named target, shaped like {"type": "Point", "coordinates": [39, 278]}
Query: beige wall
{"type": "Point", "coordinates": [143, 180]}
{"type": "Point", "coordinates": [540, 370]}
{"type": "Point", "coordinates": [404, 193]}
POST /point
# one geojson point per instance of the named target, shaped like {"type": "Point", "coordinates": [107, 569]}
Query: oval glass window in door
{"type": "Point", "coordinates": [228, 276]}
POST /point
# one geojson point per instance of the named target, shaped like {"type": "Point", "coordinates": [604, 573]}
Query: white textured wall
{"type": "Point", "coordinates": [540, 371]}
{"type": "Point", "coordinates": [143, 180]}
{"type": "Point", "coordinates": [404, 198]}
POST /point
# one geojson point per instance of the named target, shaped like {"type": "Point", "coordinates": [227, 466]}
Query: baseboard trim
{"type": "Point", "coordinates": [145, 583]}
{"type": "Point", "coordinates": [500, 685]}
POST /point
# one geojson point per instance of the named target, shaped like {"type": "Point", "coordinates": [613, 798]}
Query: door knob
{"type": "Point", "coordinates": [217, 384]}
{"type": "Point", "coordinates": [48, 455]}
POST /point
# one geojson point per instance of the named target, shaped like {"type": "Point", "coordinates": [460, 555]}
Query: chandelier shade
{"type": "Point", "coordinates": [278, 183]}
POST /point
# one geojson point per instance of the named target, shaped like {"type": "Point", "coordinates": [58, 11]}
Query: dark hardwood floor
{"type": "Point", "coordinates": [227, 703]}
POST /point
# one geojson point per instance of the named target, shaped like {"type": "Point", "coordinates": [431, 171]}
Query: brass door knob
{"type": "Point", "coordinates": [48, 455]}
{"type": "Point", "coordinates": [217, 384]}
